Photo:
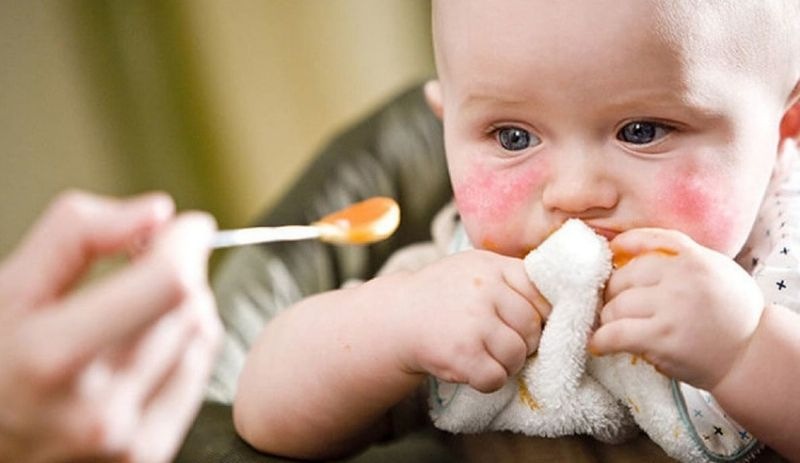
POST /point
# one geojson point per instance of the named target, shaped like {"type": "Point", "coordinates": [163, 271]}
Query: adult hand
{"type": "Point", "coordinates": [113, 370]}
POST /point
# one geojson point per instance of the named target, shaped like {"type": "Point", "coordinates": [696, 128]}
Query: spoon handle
{"type": "Point", "coordinates": [253, 235]}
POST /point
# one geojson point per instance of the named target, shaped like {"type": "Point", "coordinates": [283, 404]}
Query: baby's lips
{"type": "Point", "coordinates": [622, 258]}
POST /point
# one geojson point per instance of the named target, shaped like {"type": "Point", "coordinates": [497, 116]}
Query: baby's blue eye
{"type": "Point", "coordinates": [514, 138]}
{"type": "Point", "coordinates": [642, 132]}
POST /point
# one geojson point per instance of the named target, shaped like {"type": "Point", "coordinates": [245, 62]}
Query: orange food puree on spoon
{"type": "Point", "coordinates": [364, 222]}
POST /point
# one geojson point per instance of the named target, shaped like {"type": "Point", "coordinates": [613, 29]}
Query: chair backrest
{"type": "Point", "coordinates": [397, 151]}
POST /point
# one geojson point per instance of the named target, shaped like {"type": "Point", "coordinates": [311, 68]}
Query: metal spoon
{"type": "Point", "coordinates": [361, 223]}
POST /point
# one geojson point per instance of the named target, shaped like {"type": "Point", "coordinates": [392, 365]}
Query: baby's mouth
{"type": "Point", "coordinates": [607, 233]}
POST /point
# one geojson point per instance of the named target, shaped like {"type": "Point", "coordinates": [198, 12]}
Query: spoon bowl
{"type": "Point", "coordinates": [365, 222]}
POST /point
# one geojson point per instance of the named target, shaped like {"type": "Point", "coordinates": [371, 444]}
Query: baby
{"type": "Point", "coordinates": [660, 124]}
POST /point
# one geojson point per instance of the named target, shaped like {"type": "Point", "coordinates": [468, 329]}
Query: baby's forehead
{"type": "Point", "coordinates": [759, 37]}
{"type": "Point", "coordinates": [745, 32]}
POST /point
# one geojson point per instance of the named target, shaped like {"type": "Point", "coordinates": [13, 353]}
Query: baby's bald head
{"type": "Point", "coordinates": [758, 37]}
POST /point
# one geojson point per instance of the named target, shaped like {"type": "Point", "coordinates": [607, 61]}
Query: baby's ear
{"type": "Point", "coordinates": [433, 95]}
{"type": "Point", "coordinates": [790, 124]}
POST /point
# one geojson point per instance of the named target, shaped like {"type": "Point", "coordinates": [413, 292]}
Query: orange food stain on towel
{"type": "Point", "coordinates": [633, 404]}
{"type": "Point", "coordinates": [525, 395]}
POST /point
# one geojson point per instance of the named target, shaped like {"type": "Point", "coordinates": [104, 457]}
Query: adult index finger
{"type": "Point", "coordinates": [120, 307]}
{"type": "Point", "coordinates": [77, 228]}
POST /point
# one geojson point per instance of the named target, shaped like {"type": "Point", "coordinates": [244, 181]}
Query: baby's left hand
{"type": "Point", "coordinates": [688, 310]}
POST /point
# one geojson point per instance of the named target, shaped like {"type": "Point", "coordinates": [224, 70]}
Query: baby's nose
{"type": "Point", "coordinates": [579, 184]}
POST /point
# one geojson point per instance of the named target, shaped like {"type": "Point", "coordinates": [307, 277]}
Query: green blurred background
{"type": "Point", "coordinates": [218, 102]}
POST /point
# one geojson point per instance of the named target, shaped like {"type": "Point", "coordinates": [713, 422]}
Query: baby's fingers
{"type": "Point", "coordinates": [633, 303]}
{"type": "Point", "coordinates": [507, 348]}
{"type": "Point", "coordinates": [487, 374]}
{"type": "Point", "coordinates": [625, 335]}
{"type": "Point", "coordinates": [636, 242]}
{"type": "Point", "coordinates": [521, 317]}
{"type": "Point", "coordinates": [517, 279]}
{"type": "Point", "coordinates": [646, 270]}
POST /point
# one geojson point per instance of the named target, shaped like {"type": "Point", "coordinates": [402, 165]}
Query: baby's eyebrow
{"type": "Point", "coordinates": [629, 99]}
{"type": "Point", "coordinates": [673, 104]}
{"type": "Point", "coordinates": [479, 98]}
{"type": "Point", "coordinates": [663, 100]}
{"type": "Point", "coordinates": [485, 94]}
{"type": "Point", "coordinates": [473, 98]}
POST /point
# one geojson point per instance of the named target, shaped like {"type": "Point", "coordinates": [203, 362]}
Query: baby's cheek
{"type": "Point", "coordinates": [490, 194]}
{"type": "Point", "coordinates": [700, 202]}
{"type": "Point", "coordinates": [495, 203]}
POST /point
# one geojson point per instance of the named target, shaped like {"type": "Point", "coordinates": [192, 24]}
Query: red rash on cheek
{"type": "Point", "coordinates": [494, 201]}
{"type": "Point", "coordinates": [687, 198]}
{"type": "Point", "coordinates": [695, 202]}
{"type": "Point", "coordinates": [493, 195]}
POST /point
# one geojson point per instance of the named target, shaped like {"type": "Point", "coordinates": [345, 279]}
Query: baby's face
{"type": "Point", "coordinates": [604, 111]}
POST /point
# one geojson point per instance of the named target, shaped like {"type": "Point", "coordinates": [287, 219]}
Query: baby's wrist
{"type": "Point", "coordinates": [745, 363]}
{"type": "Point", "coordinates": [385, 298]}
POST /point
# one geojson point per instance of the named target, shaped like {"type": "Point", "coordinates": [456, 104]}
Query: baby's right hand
{"type": "Point", "coordinates": [472, 317]}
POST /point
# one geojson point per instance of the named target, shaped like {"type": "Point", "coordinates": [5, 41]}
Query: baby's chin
{"type": "Point", "coordinates": [518, 250]}
{"type": "Point", "coordinates": [499, 242]}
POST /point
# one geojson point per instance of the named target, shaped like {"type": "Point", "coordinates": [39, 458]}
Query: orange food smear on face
{"type": "Point", "coordinates": [622, 258]}
{"type": "Point", "coordinates": [490, 245]}
{"type": "Point", "coordinates": [790, 125]}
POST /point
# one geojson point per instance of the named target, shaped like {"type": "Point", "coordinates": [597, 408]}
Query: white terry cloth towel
{"type": "Point", "coordinates": [562, 390]}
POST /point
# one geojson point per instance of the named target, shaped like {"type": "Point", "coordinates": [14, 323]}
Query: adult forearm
{"type": "Point", "coordinates": [761, 391]}
{"type": "Point", "coordinates": [322, 375]}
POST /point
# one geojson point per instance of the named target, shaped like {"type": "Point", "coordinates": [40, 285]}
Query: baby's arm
{"type": "Point", "coordinates": [322, 376]}
{"type": "Point", "coordinates": [761, 389]}
{"type": "Point", "coordinates": [700, 318]}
